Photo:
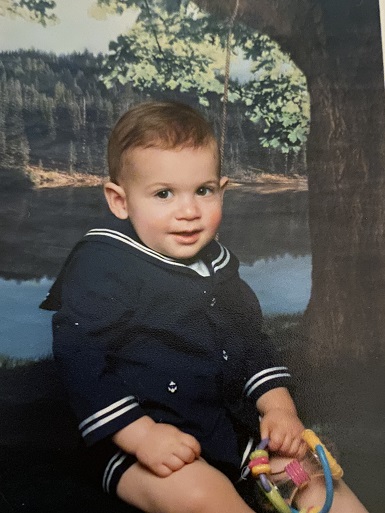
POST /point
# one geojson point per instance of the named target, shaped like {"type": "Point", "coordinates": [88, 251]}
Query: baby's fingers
{"type": "Point", "coordinates": [277, 439]}
{"type": "Point", "coordinates": [301, 450]}
{"type": "Point", "coordinates": [161, 470]}
{"type": "Point", "coordinates": [174, 462]}
{"type": "Point", "coordinates": [291, 446]}
{"type": "Point", "coordinates": [191, 442]}
{"type": "Point", "coordinates": [185, 453]}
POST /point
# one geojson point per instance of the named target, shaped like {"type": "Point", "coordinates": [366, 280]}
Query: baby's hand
{"type": "Point", "coordinates": [166, 449]}
{"type": "Point", "coordinates": [283, 429]}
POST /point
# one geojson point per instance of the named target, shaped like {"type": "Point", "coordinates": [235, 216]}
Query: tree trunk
{"type": "Point", "coordinates": [346, 149]}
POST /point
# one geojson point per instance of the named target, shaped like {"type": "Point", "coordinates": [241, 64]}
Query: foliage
{"type": "Point", "coordinates": [174, 46]}
{"type": "Point", "coordinates": [40, 11]}
{"type": "Point", "coordinates": [8, 362]}
{"type": "Point", "coordinates": [278, 94]}
{"type": "Point", "coordinates": [167, 51]}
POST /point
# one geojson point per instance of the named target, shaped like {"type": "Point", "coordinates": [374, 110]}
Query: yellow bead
{"type": "Point", "coordinates": [260, 469]}
{"type": "Point", "coordinates": [259, 453]}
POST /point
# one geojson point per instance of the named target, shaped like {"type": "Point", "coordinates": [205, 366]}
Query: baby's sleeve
{"type": "Point", "coordinates": [97, 302]}
{"type": "Point", "coordinates": [265, 365]}
{"type": "Point", "coordinates": [266, 369]}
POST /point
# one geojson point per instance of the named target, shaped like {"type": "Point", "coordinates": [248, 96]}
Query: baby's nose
{"type": "Point", "coordinates": [188, 209]}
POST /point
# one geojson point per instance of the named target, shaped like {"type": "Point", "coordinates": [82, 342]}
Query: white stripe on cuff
{"type": "Point", "coordinates": [100, 413]}
{"type": "Point", "coordinates": [112, 465]}
{"type": "Point", "coordinates": [262, 373]}
{"type": "Point", "coordinates": [107, 419]}
{"type": "Point", "coordinates": [267, 378]}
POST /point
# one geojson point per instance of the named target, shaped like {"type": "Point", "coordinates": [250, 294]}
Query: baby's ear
{"type": "Point", "coordinates": [223, 184]}
{"type": "Point", "coordinates": [116, 199]}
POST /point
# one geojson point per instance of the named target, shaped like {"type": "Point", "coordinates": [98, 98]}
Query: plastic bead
{"type": "Point", "coordinates": [260, 469]}
{"type": "Point", "coordinates": [259, 453]}
{"type": "Point", "coordinates": [259, 462]}
{"type": "Point", "coordinates": [296, 473]}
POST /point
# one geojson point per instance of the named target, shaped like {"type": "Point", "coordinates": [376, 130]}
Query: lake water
{"type": "Point", "coordinates": [282, 285]}
{"type": "Point", "coordinates": [38, 228]}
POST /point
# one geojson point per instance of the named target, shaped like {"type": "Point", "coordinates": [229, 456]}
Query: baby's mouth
{"type": "Point", "coordinates": [188, 236]}
{"type": "Point", "coordinates": [187, 232]}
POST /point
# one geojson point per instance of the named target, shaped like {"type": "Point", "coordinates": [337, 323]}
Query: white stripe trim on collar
{"type": "Point", "coordinates": [131, 242]}
{"type": "Point", "coordinates": [113, 234]}
{"type": "Point", "coordinates": [220, 256]}
{"type": "Point", "coordinates": [224, 252]}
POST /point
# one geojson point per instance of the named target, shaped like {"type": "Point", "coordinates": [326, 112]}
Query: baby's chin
{"type": "Point", "coordinates": [183, 255]}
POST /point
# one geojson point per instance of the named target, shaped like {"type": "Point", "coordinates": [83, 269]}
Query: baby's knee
{"type": "Point", "coordinates": [203, 491]}
{"type": "Point", "coordinates": [198, 496]}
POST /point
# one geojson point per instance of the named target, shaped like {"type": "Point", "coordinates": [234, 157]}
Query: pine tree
{"type": "Point", "coordinates": [72, 157]}
{"type": "Point", "coordinates": [17, 146]}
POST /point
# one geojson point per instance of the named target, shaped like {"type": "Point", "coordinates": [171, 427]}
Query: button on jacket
{"type": "Point", "coordinates": [137, 333]}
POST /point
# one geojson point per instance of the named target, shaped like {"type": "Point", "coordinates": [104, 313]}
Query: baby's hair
{"type": "Point", "coordinates": [166, 125]}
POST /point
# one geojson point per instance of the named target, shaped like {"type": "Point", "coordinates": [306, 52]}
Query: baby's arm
{"type": "Point", "coordinates": [280, 422]}
{"type": "Point", "coordinates": [162, 448]}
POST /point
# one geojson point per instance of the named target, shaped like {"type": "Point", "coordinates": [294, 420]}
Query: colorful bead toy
{"type": "Point", "coordinates": [322, 464]}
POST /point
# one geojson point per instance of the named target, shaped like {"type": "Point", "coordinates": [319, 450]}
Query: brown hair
{"type": "Point", "coordinates": [165, 125]}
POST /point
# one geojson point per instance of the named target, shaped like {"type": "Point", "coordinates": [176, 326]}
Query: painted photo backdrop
{"type": "Point", "coordinates": [294, 89]}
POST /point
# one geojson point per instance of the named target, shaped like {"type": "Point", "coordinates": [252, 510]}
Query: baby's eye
{"type": "Point", "coordinates": [204, 191]}
{"type": "Point", "coordinates": [165, 194]}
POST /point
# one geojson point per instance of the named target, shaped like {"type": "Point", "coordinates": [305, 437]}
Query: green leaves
{"type": "Point", "coordinates": [40, 11]}
{"type": "Point", "coordinates": [277, 95]}
{"type": "Point", "coordinates": [166, 51]}
{"type": "Point", "coordinates": [174, 46]}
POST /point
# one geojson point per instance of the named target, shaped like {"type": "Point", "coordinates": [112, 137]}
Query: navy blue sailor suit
{"type": "Point", "coordinates": [137, 333]}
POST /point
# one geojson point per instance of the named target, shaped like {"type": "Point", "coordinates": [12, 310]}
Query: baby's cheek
{"type": "Point", "coordinates": [215, 219]}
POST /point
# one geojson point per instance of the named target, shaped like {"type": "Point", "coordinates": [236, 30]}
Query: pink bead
{"type": "Point", "coordinates": [296, 473]}
{"type": "Point", "coordinates": [259, 461]}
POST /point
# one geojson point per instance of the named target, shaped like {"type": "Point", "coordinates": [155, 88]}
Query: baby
{"type": "Point", "coordinates": [157, 338]}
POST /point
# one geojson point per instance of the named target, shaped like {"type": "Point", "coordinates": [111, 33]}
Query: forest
{"type": "Point", "coordinates": [54, 112]}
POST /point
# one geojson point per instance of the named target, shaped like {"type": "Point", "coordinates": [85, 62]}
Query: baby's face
{"type": "Point", "coordinates": [174, 198]}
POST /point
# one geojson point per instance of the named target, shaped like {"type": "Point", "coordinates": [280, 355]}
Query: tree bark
{"type": "Point", "coordinates": [346, 149]}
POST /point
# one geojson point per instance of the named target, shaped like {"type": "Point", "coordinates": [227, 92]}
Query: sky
{"type": "Point", "coordinates": [76, 30]}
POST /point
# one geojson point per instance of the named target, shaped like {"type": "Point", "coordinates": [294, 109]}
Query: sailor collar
{"type": "Point", "coordinates": [216, 258]}
{"type": "Point", "coordinates": [121, 233]}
